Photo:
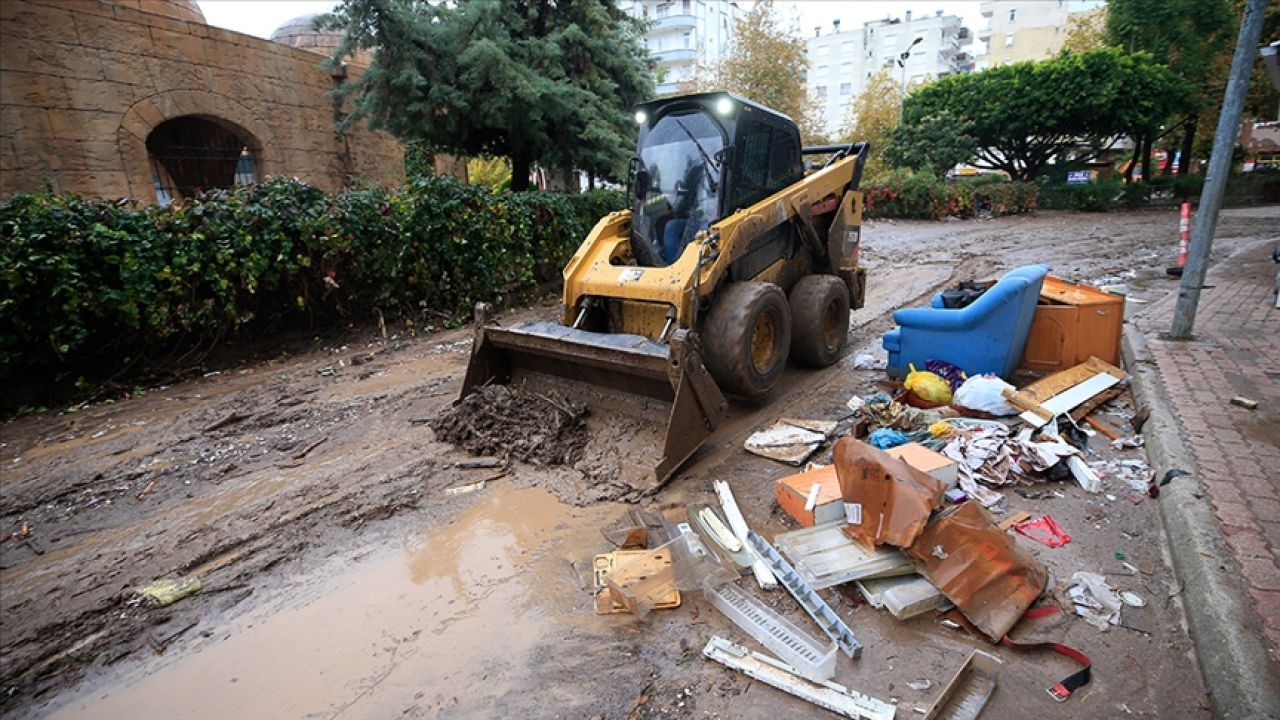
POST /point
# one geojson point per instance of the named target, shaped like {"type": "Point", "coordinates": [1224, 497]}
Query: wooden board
{"type": "Point", "coordinates": [1032, 397]}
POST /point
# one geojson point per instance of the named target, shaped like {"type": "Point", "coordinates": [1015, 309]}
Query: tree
{"type": "Point", "coordinates": [873, 115]}
{"type": "Point", "coordinates": [1190, 38]}
{"type": "Point", "coordinates": [935, 143]}
{"type": "Point", "coordinates": [1027, 114]}
{"type": "Point", "coordinates": [766, 64]}
{"type": "Point", "coordinates": [550, 81]}
{"type": "Point", "coordinates": [1086, 30]}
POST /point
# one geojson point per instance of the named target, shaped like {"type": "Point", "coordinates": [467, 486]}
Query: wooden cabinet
{"type": "Point", "coordinates": [1071, 323]}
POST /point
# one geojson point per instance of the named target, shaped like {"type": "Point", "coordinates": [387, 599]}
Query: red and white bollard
{"type": "Point", "coordinates": [1184, 240]}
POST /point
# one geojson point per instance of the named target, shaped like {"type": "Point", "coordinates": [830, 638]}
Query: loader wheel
{"type": "Point", "coordinates": [819, 319]}
{"type": "Point", "coordinates": [746, 338]}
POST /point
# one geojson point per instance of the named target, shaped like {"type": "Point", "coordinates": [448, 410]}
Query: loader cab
{"type": "Point", "coordinates": [698, 159]}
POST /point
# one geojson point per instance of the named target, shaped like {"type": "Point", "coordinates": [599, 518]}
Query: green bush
{"type": "Point", "coordinates": [927, 197]}
{"type": "Point", "coordinates": [104, 285]}
{"type": "Point", "coordinates": [1097, 196]}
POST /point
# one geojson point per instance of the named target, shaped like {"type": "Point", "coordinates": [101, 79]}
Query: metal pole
{"type": "Point", "coordinates": [1215, 181]}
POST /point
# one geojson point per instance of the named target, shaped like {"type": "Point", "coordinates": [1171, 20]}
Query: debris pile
{"type": "Point", "coordinates": [508, 422]}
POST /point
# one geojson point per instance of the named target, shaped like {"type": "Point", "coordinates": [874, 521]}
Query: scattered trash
{"type": "Point", "coordinates": [1171, 474]}
{"type": "Point", "coordinates": [991, 580]}
{"type": "Point", "coordinates": [732, 513]}
{"type": "Point", "coordinates": [169, 591]}
{"type": "Point", "coordinates": [927, 461]}
{"type": "Point", "coordinates": [1014, 519]}
{"type": "Point", "coordinates": [886, 438]}
{"type": "Point", "coordinates": [1244, 402]}
{"type": "Point", "coordinates": [1139, 419]}
{"type": "Point", "coordinates": [955, 496]}
{"type": "Point", "coordinates": [818, 609]}
{"type": "Point", "coordinates": [1045, 530]}
{"type": "Point", "coordinates": [794, 491]}
{"type": "Point", "coordinates": [480, 463]}
{"type": "Point", "coordinates": [922, 686]}
{"type": "Point", "coordinates": [954, 375]}
{"type": "Point", "coordinates": [1136, 441]}
{"type": "Point", "coordinates": [865, 361]}
{"type": "Point", "coordinates": [896, 499]}
{"type": "Point", "coordinates": [805, 655]}
{"type": "Point", "coordinates": [716, 532]}
{"type": "Point", "coordinates": [970, 688]}
{"type": "Point", "coordinates": [770, 671]}
{"type": "Point", "coordinates": [790, 441]}
{"type": "Point", "coordinates": [985, 393]}
{"type": "Point", "coordinates": [605, 564]}
{"type": "Point", "coordinates": [825, 556]}
{"type": "Point", "coordinates": [1095, 601]}
{"type": "Point", "coordinates": [1045, 399]}
{"type": "Point", "coordinates": [465, 489]}
{"type": "Point", "coordinates": [929, 387]}
{"type": "Point", "coordinates": [1132, 599]}
{"type": "Point", "coordinates": [905, 596]}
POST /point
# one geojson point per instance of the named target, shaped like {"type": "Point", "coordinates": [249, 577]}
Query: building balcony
{"type": "Point", "coordinates": [675, 22]}
{"type": "Point", "coordinates": [987, 9]}
{"type": "Point", "coordinates": [984, 33]}
{"type": "Point", "coordinates": [964, 36]}
{"type": "Point", "coordinates": [676, 56]}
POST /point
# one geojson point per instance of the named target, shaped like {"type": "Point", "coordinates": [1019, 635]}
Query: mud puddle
{"type": "Point", "coordinates": [447, 624]}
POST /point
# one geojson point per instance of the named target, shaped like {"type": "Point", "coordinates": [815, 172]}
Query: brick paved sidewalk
{"type": "Point", "coordinates": [1236, 352]}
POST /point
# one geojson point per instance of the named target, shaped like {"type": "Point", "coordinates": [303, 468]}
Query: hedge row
{"type": "Point", "coordinates": [927, 197]}
{"type": "Point", "coordinates": [92, 284]}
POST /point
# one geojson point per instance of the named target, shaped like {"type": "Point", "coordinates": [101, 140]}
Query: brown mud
{"type": "Point", "coordinates": [516, 424]}
{"type": "Point", "coordinates": [341, 578]}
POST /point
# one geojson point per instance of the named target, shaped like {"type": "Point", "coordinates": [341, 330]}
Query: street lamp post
{"type": "Point", "coordinates": [902, 63]}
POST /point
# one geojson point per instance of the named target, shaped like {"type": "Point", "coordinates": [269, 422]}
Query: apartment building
{"type": "Point", "coordinates": [841, 63]}
{"type": "Point", "coordinates": [1017, 30]}
{"type": "Point", "coordinates": [684, 34]}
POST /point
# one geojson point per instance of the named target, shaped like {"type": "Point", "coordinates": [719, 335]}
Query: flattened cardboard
{"type": "Point", "coordinates": [979, 568]}
{"type": "Point", "coordinates": [895, 498]}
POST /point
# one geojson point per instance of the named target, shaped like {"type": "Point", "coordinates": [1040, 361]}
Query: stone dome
{"type": "Point", "coordinates": [177, 9]}
{"type": "Point", "coordinates": [300, 33]}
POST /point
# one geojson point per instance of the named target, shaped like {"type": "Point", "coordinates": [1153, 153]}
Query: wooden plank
{"type": "Point", "coordinates": [1068, 399]}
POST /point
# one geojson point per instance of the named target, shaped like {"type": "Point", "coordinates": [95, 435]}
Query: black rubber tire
{"type": "Point", "coordinates": [819, 320]}
{"type": "Point", "coordinates": [744, 313]}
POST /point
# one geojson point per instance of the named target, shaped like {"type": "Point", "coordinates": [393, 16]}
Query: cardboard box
{"type": "Point", "coordinates": [793, 492]}
{"type": "Point", "coordinates": [928, 462]}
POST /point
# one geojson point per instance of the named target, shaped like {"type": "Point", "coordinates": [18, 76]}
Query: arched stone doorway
{"type": "Point", "coordinates": [190, 154]}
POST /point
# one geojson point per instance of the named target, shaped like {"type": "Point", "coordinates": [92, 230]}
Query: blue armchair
{"type": "Point", "coordinates": [988, 336]}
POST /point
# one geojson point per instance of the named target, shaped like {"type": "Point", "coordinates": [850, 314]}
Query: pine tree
{"type": "Point", "coordinates": [548, 81]}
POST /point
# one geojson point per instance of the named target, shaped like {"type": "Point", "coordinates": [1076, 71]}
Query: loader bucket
{"type": "Point", "coordinates": [670, 372]}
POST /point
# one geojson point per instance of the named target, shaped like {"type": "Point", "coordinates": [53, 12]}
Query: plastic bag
{"type": "Point", "coordinates": [954, 376]}
{"type": "Point", "coordinates": [885, 438]}
{"type": "Point", "coordinates": [928, 386]}
{"type": "Point", "coordinates": [985, 393]}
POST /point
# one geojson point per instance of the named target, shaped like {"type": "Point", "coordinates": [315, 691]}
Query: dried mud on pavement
{"type": "Point", "coordinates": [355, 566]}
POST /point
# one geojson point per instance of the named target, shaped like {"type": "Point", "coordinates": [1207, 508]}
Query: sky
{"type": "Point", "coordinates": [261, 17]}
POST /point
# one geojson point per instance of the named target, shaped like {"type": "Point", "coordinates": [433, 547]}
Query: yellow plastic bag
{"type": "Point", "coordinates": [928, 386]}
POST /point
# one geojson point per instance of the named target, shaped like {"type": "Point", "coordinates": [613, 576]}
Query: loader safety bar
{"type": "Point", "coordinates": [858, 150]}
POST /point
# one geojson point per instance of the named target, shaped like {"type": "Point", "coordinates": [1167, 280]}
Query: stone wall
{"type": "Point", "coordinates": [83, 83]}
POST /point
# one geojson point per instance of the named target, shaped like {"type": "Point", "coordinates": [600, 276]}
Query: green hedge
{"type": "Point", "coordinates": [101, 285]}
{"type": "Point", "coordinates": [927, 197]}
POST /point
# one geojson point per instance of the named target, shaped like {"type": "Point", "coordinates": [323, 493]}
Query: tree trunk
{"type": "Point", "coordinates": [1188, 137]}
{"type": "Point", "coordinates": [591, 181]}
{"type": "Point", "coordinates": [519, 171]}
{"type": "Point", "coordinates": [1147, 142]}
{"type": "Point", "coordinates": [1133, 162]}
{"type": "Point", "coordinates": [1169, 153]}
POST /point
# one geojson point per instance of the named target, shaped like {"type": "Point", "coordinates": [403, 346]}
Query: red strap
{"type": "Point", "coordinates": [1071, 683]}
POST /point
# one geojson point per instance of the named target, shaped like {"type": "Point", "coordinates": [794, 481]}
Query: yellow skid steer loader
{"type": "Point", "coordinates": [733, 258]}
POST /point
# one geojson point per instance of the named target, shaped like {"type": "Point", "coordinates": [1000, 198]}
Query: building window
{"type": "Point", "coordinates": [1008, 40]}
{"type": "Point", "coordinates": [688, 7]}
{"type": "Point", "coordinates": [194, 153]}
{"type": "Point", "coordinates": [661, 10]}
{"type": "Point", "coordinates": [1013, 15]}
{"type": "Point", "coordinates": [820, 91]}
{"type": "Point", "coordinates": [846, 88]}
{"type": "Point", "coordinates": [688, 40]}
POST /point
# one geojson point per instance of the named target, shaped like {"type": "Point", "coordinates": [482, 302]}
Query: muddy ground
{"type": "Point", "coordinates": [344, 579]}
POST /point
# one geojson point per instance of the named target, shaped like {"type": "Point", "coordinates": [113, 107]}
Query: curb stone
{"type": "Point", "coordinates": [1240, 676]}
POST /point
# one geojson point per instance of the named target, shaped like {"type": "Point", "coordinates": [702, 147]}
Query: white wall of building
{"type": "Point", "coordinates": [685, 34]}
{"type": "Point", "coordinates": [841, 61]}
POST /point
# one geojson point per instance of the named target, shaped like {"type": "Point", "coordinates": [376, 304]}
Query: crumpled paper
{"type": "Point", "coordinates": [988, 454]}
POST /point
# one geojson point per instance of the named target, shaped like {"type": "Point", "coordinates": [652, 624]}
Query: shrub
{"type": "Point", "coordinates": [1097, 196]}
{"type": "Point", "coordinates": [93, 284]}
{"type": "Point", "coordinates": [924, 196]}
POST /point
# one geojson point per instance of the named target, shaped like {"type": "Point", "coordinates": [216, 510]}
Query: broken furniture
{"type": "Point", "coordinates": [1073, 322]}
{"type": "Point", "coordinates": [987, 336]}
{"type": "Point", "coordinates": [637, 562]}
{"type": "Point", "coordinates": [904, 596]}
{"type": "Point", "coordinates": [808, 598]}
{"type": "Point", "coordinates": [927, 461]}
{"type": "Point", "coordinates": [1077, 390]}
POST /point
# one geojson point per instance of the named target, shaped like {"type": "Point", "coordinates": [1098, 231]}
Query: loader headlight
{"type": "Point", "coordinates": [724, 106]}
{"type": "Point", "coordinates": [641, 118]}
